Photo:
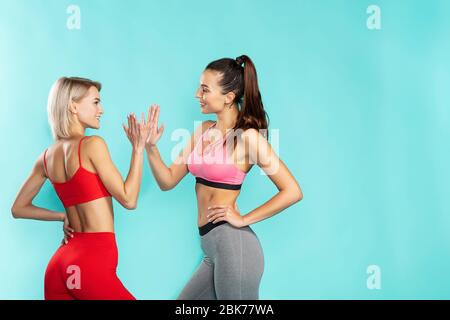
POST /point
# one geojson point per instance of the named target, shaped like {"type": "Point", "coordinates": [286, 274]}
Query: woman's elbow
{"type": "Point", "coordinates": [165, 188]}
{"type": "Point", "coordinates": [15, 212]}
{"type": "Point", "coordinates": [130, 205]}
{"type": "Point", "coordinates": [297, 195]}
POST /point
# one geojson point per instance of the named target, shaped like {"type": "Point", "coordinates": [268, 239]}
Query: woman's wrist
{"type": "Point", "coordinates": [138, 150]}
{"type": "Point", "coordinates": [246, 220]}
{"type": "Point", "coordinates": [150, 147]}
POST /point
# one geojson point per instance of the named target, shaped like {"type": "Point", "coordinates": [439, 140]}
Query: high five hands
{"type": "Point", "coordinates": [138, 132]}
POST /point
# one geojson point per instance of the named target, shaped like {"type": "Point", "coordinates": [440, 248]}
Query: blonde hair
{"type": "Point", "coordinates": [63, 92]}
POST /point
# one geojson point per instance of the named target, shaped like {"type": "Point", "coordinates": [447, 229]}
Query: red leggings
{"type": "Point", "coordinates": [85, 269]}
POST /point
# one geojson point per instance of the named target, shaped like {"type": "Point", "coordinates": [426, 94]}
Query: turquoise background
{"type": "Point", "coordinates": [364, 126]}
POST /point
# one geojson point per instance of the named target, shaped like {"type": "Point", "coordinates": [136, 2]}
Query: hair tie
{"type": "Point", "coordinates": [240, 60]}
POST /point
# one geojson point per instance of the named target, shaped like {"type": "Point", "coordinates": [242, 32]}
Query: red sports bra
{"type": "Point", "coordinates": [84, 185]}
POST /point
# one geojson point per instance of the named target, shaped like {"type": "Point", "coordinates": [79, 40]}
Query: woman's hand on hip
{"type": "Point", "coordinates": [67, 230]}
{"type": "Point", "coordinates": [226, 213]}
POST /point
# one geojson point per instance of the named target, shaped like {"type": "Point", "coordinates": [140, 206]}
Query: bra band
{"type": "Point", "coordinates": [218, 185]}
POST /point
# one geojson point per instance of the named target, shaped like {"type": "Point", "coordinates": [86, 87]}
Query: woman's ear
{"type": "Point", "coordinates": [73, 107]}
{"type": "Point", "coordinates": [229, 98]}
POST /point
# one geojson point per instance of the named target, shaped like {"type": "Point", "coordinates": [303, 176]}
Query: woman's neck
{"type": "Point", "coordinates": [77, 130]}
{"type": "Point", "coordinates": [227, 118]}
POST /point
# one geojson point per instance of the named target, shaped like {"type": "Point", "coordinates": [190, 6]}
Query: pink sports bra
{"type": "Point", "coordinates": [214, 168]}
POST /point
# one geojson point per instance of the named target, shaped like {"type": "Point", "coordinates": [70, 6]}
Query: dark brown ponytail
{"type": "Point", "coordinates": [243, 81]}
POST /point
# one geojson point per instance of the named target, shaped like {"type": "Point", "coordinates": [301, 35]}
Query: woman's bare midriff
{"type": "Point", "coordinates": [92, 216]}
{"type": "Point", "coordinates": [209, 196]}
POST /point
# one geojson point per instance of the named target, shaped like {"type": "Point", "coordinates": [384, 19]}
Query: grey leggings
{"type": "Point", "coordinates": [232, 266]}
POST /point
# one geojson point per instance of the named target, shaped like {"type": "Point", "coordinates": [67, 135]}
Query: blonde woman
{"type": "Point", "coordinates": [85, 179]}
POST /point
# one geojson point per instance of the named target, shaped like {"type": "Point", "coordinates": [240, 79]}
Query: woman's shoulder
{"type": "Point", "coordinates": [94, 145]}
{"type": "Point", "coordinates": [201, 128]}
{"type": "Point", "coordinates": [94, 139]}
{"type": "Point", "coordinates": [206, 124]}
{"type": "Point", "coordinates": [50, 149]}
{"type": "Point", "coordinates": [252, 134]}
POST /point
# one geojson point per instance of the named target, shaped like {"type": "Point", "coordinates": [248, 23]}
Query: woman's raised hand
{"type": "Point", "coordinates": [155, 132]}
{"type": "Point", "coordinates": [138, 132]}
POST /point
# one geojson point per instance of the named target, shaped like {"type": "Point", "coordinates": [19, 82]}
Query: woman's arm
{"type": "Point", "coordinates": [167, 177]}
{"type": "Point", "coordinates": [261, 153]}
{"type": "Point", "coordinates": [125, 192]}
{"type": "Point", "coordinates": [23, 205]}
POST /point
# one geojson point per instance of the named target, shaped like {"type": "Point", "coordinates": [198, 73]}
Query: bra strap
{"type": "Point", "coordinates": [45, 164]}
{"type": "Point", "coordinates": [79, 149]}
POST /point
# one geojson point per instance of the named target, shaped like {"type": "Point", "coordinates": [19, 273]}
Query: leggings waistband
{"type": "Point", "coordinates": [93, 238]}
{"type": "Point", "coordinates": [208, 227]}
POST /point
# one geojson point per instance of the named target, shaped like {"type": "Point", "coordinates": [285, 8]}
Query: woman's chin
{"type": "Point", "coordinates": [204, 110]}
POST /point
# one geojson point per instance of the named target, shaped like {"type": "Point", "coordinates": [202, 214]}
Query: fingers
{"type": "Point", "coordinates": [149, 115]}
{"type": "Point", "coordinates": [215, 211]}
{"type": "Point", "coordinates": [152, 113]}
{"type": "Point", "coordinates": [156, 119]}
{"type": "Point", "coordinates": [140, 124]}
{"type": "Point", "coordinates": [68, 233]}
{"type": "Point", "coordinates": [129, 124]}
{"type": "Point", "coordinates": [157, 114]}
{"type": "Point", "coordinates": [139, 128]}
{"type": "Point", "coordinates": [155, 109]}
{"type": "Point", "coordinates": [69, 229]}
{"type": "Point", "coordinates": [130, 127]}
{"type": "Point", "coordinates": [217, 214]}
{"type": "Point", "coordinates": [161, 129]}
{"type": "Point", "coordinates": [145, 125]}
{"type": "Point", "coordinates": [133, 125]}
{"type": "Point", "coordinates": [217, 217]}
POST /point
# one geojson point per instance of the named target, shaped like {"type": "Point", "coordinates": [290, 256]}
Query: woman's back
{"type": "Point", "coordinates": [87, 202]}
